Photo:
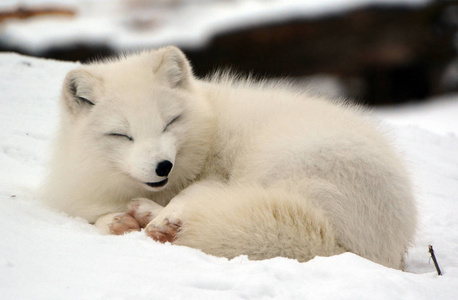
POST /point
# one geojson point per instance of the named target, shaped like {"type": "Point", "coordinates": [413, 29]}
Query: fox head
{"type": "Point", "coordinates": [140, 117]}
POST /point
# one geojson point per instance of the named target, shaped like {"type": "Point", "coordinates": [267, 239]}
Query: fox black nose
{"type": "Point", "coordinates": [164, 168]}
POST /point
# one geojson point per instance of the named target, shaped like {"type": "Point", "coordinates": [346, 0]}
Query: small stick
{"type": "Point", "coordinates": [433, 256]}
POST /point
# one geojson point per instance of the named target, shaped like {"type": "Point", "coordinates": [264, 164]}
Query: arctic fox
{"type": "Point", "coordinates": [225, 165]}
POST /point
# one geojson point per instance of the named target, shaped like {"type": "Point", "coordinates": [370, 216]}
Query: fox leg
{"type": "Point", "coordinates": [166, 225]}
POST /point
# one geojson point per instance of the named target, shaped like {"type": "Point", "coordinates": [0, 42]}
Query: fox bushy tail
{"type": "Point", "coordinates": [229, 220]}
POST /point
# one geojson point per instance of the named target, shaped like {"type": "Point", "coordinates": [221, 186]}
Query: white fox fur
{"type": "Point", "coordinates": [259, 168]}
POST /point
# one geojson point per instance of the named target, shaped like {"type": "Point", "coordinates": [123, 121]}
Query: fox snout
{"type": "Point", "coordinates": [163, 168]}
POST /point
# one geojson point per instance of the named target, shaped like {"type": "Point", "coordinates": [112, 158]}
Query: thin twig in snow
{"type": "Point", "coordinates": [433, 256]}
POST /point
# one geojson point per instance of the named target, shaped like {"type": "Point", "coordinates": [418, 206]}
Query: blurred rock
{"type": "Point", "coordinates": [28, 12]}
{"type": "Point", "coordinates": [399, 53]}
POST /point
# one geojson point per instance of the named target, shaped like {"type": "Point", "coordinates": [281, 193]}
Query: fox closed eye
{"type": "Point", "coordinates": [171, 122]}
{"type": "Point", "coordinates": [85, 100]}
{"type": "Point", "coordinates": [121, 135]}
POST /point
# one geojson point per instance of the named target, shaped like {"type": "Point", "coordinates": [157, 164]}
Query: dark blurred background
{"type": "Point", "coordinates": [378, 52]}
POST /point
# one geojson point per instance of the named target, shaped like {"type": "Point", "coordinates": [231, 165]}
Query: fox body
{"type": "Point", "coordinates": [228, 166]}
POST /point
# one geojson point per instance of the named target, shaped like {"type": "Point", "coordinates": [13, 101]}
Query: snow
{"type": "Point", "coordinates": [428, 115]}
{"type": "Point", "coordinates": [126, 25]}
{"type": "Point", "coordinates": [46, 254]}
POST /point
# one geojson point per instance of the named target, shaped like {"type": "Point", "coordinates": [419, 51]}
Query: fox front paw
{"type": "Point", "coordinates": [166, 231]}
{"type": "Point", "coordinates": [123, 223]}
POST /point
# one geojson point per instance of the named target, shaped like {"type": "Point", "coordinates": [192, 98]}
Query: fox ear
{"type": "Point", "coordinates": [174, 67]}
{"type": "Point", "coordinates": [77, 91]}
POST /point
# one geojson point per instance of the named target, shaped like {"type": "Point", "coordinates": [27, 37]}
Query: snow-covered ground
{"type": "Point", "coordinates": [47, 255]}
{"type": "Point", "coordinates": [130, 24]}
